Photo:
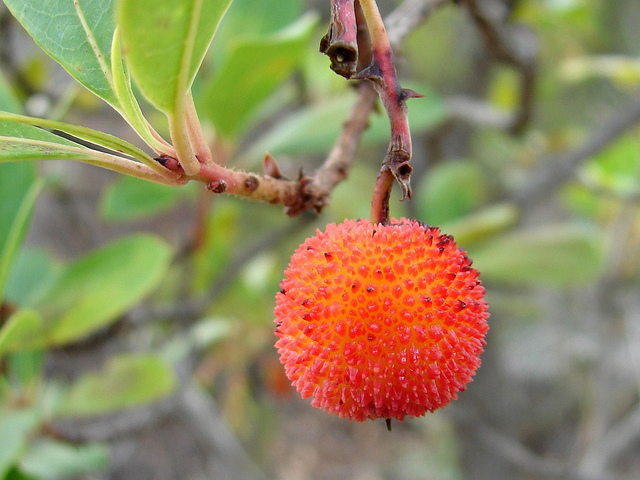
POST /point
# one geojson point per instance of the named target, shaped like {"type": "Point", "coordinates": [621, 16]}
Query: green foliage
{"type": "Point", "coordinates": [166, 42]}
{"type": "Point", "coordinates": [235, 91]}
{"type": "Point", "coordinates": [8, 101]}
{"type": "Point", "coordinates": [88, 26]}
{"type": "Point", "coordinates": [131, 198]}
{"type": "Point", "coordinates": [313, 129]}
{"type": "Point", "coordinates": [56, 460]}
{"type": "Point", "coordinates": [617, 169]}
{"type": "Point", "coordinates": [14, 430]}
{"type": "Point", "coordinates": [14, 219]}
{"type": "Point", "coordinates": [127, 381]}
{"type": "Point", "coordinates": [452, 190]}
{"type": "Point", "coordinates": [90, 293]}
{"type": "Point", "coordinates": [565, 255]}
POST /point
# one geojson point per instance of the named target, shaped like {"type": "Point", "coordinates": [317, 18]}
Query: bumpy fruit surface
{"type": "Point", "coordinates": [382, 320]}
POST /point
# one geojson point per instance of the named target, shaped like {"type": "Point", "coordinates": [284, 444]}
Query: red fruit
{"type": "Point", "coordinates": [380, 320]}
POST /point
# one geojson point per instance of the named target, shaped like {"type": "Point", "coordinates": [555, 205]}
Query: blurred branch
{"type": "Point", "coordinates": [407, 17]}
{"type": "Point", "coordinates": [230, 460]}
{"type": "Point", "coordinates": [317, 189]}
{"type": "Point", "coordinates": [123, 424]}
{"type": "Point", "coordinates": [518, 455]}
{"type": "Point", "coordinates": [191, 309]}
{"type": "Point", "coordinates": [556, 170]}
{"type": "Point", "coordinates": [513, 44]}
{"type": "Point", "coordinates": [477, 112]}
{"type": "Point", "coordinates": [622, 436]}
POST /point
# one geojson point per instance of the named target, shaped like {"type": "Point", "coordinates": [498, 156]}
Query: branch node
{"type": "Point", "coordinates": [217, 186]}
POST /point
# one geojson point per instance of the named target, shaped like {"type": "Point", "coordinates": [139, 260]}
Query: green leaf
{"type": "Point", "coordinates": [20, 142]}
{"type": "Point", "coordinates": [25, 370]}
{"type": "Point", "coordinates": [15, 474]}
{"type": "Point", "coordinates": [31, 271]}
{"type": "Point", "coordinates": [21, 126]}
{"type": "Point", "coordinates": [15, 427]}
{"type": "Point", "coordinates": [52, 460]}
{"type": "Point", "coordinates": [314, 129]}
{"type": "Point", "coordinates": [233, 94]}
{"type": "Point", "coordinates": [563, 255]}
{"type": "Point", "coordinates": [131, 198]}
{"type": "Point", "coordinates": [127, 101]}
{"type": "Point", "coordinates": [16, 232]}
{"type": "Point", "coordinates": [482, 224]}
{"type": "Point", "coordinates": [165, 42]}
{"type": "Point", "coordinates": [255, 17]}
{"type": "Point", "coordinates": [77, 34]}
{"type": "Point", "coordinates": [127, 381]}
{"type": "Point", "coordinates": [452, 190]}
{"type": "Point", "coordinates": [8, 100]}
{"type": "Point", "coordinates": [616, 169]}
{"type": "Point", "coordinates": [22, 328]}
{"type": "Point", "coordinates": [14, 130]}
{"type": "Point", "coordinates": [18, 149]}
{"type": "Point", "coordinates": [16, 181]}
{"type": "Point", "coordinates": [24, 143]}
{"type": "Point", "coordinates": [98, 288]}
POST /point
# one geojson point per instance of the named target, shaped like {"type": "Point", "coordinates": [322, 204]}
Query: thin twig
{"type": "Point", "coordinates": [407, 17]}
{"type": "Point", "coordinates": [517, 454]}
{"type": "Point", "coordinates": [560, 168]}
{"type": "Point", "coordinates": [510, 44]}
{"type": "Point", "coordinates": [191, 309]}
{"type": "Point", "coordinates": [340, 159]}
{"type": "Point", "coordinates": [200, 412]}
{"type": "Point", "coordinates": [622, 436]}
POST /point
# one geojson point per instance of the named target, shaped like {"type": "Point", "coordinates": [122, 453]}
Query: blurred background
{"type": "Point", "coordinates": [526, 149]}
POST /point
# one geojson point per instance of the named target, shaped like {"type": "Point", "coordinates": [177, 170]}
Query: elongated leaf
{"type": "Point", "coordinates": [56, 460]}
{"type": "Point", "coordinates": [94, 290]}
{"type": "Point", "coordinates": [15, 181]}
{"type": "Point", "coordinates": [451, 190]}
{"type": "Point", "coordinates": [128, 103]}
{"type": "Point", "coordinates": [24, 142]}
{"type": "Point", "coordinates": [8, 101]}
{"type": "Point", "coordinates": [255, 17]}
{"type": "Point", "coordinates": [479, 226]}
{"type": "Point", "coordinates": [131, 198]}
{"type": "Point", "coordinates": [165, 42]}
{"type": "Point", "coordinates": [30, 272]}
{"type": "Point", "coordinates": [14, 149]}
{"type": "Point", "coordinates": [12, 129]}
{"type": "Point", "coordinates": [75, 33]}
{"type": "Point", "coordinates": [562, 255]}
{"type": "Point", "coordinates": [127, 381]}
{"type": "Point", "coordinates": [14, 428]}
{"type": "Point", "coordinates": [236, 90]}
{"type": "Point", "coordinates": [16, 232]}
{"type": "Point", "coordinates": [23, 329]}
{"type": "Point", "coordinates": [14, 126]}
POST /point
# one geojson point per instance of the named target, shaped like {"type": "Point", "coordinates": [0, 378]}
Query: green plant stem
{"type": "Point", "coordinates": [196, 135]}
{"type": "Point", "coordinates": [181, 139]}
